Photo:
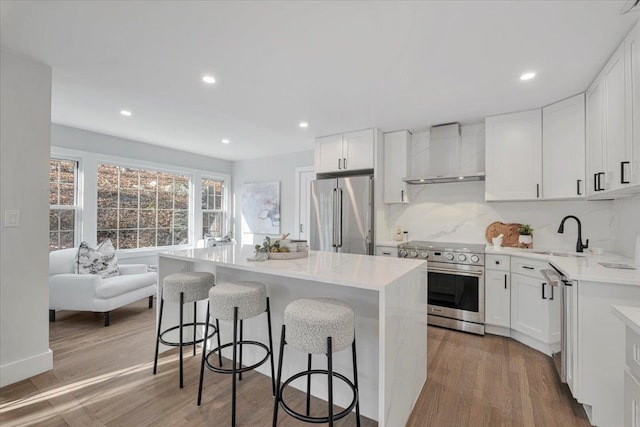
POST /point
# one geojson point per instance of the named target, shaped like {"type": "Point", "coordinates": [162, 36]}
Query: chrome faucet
{"type": "Point", "coordinates": [579, 245]}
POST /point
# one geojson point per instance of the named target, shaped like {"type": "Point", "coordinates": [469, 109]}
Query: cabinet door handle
{"type": "Point", "coordinates": [386, 253]}
{"type": "Point", "coordinates": [402, 195]}
{"type": "Point", "coordinates": [339, 163]}
{"type": "Point", "coordinates": [622, 180]}
{"type": "Point", "coordinates": [551, 293]}
{"type": "Point", "coordinates": [505, 281]}
{"type": "Point", "coordinates": [578, 187]}
{"type": "Point", "coordinates": [600, 175]}
{"type": "Point", "coordinates": [595, 182]}
{"type": "Point", "coordinates": [543, 297]}
{"type": "Point", "coordinates": [344, 162]}
{"type": "Point", "coordinates": [301, 228]}
{"type": "Point", "coordinates": [527, 267]}
{"type": "Point", "coordinates": [537, 191]}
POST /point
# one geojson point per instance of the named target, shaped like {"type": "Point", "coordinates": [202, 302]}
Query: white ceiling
{"type": "Point", "coordinates": [338, 65]}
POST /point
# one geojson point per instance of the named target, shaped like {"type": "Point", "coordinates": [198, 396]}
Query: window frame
{"type": "Point", "coordinates": [88, 190]}
{"type": "Point", "coordinates": [224, 208]}
{"type": "Point", "coordinates": [159, 170]}
{"type": "Point", "coordinates": [77, 203]}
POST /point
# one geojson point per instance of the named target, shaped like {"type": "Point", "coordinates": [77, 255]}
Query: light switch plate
{"type": "Point", "coordinates": [12, 218]}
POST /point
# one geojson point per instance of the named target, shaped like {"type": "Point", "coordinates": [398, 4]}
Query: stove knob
{"type": "Point", "coordinates": [462, 257]}
{"type": "Point", "coordinates": [449, 257]}
{"type": "Point", "coordinates": [475, 258]}
{"type": "Point", "coordinates": [403, 253]}
{"type": "Point", "coordinates": [414, 254]}
{"type": "Point", "coordinates": [424, 255]}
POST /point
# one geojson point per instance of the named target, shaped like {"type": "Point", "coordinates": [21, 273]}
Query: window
{"type": "Point", "coordinates": [212, 207]}
{"type": "Point", "coordinates": [139, 208]}
{"type": "Point", "coordinates": [62, 203]}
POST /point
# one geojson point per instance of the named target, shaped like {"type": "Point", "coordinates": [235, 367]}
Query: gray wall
{"type": "Point", "coordinates": [277, 168]}
{"type": "Point", "coordinates": [78, 139]}
{"type": "Point", "coordinates": [25, 115]}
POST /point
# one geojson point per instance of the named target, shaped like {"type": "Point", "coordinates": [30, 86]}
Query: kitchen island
{"type": "Point", "coordinates": [387, 296]}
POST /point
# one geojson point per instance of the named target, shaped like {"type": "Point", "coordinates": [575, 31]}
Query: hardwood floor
{"type": "Point", "coordinates": [102, 377]}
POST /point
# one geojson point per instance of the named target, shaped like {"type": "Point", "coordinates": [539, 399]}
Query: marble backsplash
{"type": "Point", "coordinates": [625, 225]}
{"type": "Point", "coordinates": [457, 212]}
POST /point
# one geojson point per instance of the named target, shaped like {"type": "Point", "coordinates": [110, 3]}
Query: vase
{"type": "Point", "coordinates": [525, 241]}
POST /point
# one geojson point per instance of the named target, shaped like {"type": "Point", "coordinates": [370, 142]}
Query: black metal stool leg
{"type": "Point", "coordinates": [330, 377]}
{"type": "Point", "coordinates": [204, 355]}
{"type": "Point", "coordinates": [308, 384]}
{"type": "Point", "coordinates": [241, 338]}
{"type": "Point", "coordinates": [276, 401]}
{"type": "Point", "coordinates": [233, 368]}
{"type": "Point", "coordinates": [181, 320]}
{"type": "Point", "coordinates": [195, 319]}
{"type": "Point", "coordinates": [273, 376]}
{"type": "Point", "coordinates": [355, 380]}
{"type": "Point", "coordinates": [218, 333]}
{"type": "Point", "coordinates": [155, 361]}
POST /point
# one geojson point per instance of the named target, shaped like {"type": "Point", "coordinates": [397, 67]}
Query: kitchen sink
{"type": "Point", "coordinates": [558, 253]}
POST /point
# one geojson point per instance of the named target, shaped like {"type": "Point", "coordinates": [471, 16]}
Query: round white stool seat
{"type": "Point", "coordinates": [194, 285]}
{"type": "Point", "coordinates": [249, 297]}
{"type": "Point", "coordinates": [310, 321]}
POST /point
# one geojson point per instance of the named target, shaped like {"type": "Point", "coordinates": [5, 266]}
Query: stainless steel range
{"type": "Point", "coordinates": [455, 283]}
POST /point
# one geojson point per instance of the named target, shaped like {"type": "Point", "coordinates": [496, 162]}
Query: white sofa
{"type": "Point", "coordinates": [89, 292]}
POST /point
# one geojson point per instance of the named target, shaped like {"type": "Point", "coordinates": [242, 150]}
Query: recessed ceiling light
{"type": "Point", "coordinates": [125, 113]}
{"type": "Point", "coordinates": [225, 141]}
{"type": "Point", "coordinates": [527, 76]}
{"type": "Point", "coordinates": [461, 177]}
{"type": "Point", "coordinates": [209, 79]}
{"type": "Point", "coordinates": [304, 124]}
{"type": "Point", "coordinates": [422, 180]}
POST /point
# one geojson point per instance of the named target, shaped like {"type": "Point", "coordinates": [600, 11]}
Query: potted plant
{"type": "Point", "coordinates": [525, 237]}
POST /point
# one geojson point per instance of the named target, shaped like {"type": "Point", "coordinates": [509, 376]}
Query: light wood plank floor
{"type": "Point", "coordinates": [102, 377]}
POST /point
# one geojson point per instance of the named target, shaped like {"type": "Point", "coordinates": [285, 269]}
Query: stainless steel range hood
{"type": "Point", "coordinates": [440, 179]}
{"type": "Point", "coordinates": [448, 158]}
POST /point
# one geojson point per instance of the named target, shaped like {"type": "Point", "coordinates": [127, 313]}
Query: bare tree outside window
{"type": "Point", "coordinates": [212, 207]}
{"type": "Point", "coordinates": [62, 203]}
{"type": "Point", "coordinates": [139, 208]}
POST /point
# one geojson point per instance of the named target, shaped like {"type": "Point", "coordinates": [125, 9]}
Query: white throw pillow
{"type": "Point", "coordinates": [101, 261]}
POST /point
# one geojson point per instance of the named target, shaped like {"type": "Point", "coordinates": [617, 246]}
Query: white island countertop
{"type": "Point", "coordinates": [586, 267]}
{"type": "Point", "coordinates": [629, 315]}
{"type": "Point", "coordinates": [358, 271]}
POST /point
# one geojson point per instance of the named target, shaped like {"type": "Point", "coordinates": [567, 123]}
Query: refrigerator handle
{"type": "Point", "coordinates": [340, 217]}
{"type": "Point", "coordinates": [333, 211]}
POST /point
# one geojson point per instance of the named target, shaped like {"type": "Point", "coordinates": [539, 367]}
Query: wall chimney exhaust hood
{"type": "Point", "coordinates": [449, 159]}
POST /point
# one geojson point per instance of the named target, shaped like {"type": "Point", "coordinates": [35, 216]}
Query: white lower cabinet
{"type": "Point", "coordinates": [497, 288]}
{"type": "Point", "coordinates": [631, 400]}
{"type": "Point", "coordinates": [390, 251]}
{"type": "Point", "coordinates": [535, 306]}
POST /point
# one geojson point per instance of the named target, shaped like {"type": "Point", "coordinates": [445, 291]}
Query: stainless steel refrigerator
{"type": "Point", "coordinates": [342, 215]}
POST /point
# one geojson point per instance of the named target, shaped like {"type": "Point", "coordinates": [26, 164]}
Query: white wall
{"type": "Point", "coordinates": [25, 115]}
{"type": "Point", "coordinates": [78, 139]}
{"type": "Point", "coordinates": [625, 225]}
{"type": "Point", "coordinates": [277, 168]}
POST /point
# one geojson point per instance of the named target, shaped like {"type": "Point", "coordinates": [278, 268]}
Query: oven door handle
{"type": "Point", "coordinates": [457, 272]}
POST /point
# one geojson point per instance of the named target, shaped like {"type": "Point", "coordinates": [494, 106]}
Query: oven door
{"type": "Point", "coordinates": [456, 291]}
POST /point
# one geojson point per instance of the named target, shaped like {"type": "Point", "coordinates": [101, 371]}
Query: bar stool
{"type": "Point", "coordinates": [184, 288]}
{"type": "Point", "coordinates": [237, 302]}
{"type": "Point", "coordinates": [317, 326]}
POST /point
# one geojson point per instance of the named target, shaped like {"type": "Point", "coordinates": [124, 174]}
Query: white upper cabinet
{"type": "Point", "coordinates": [514, 156]}
{"type": "Point", "coordinates": [563, 149]}
{"type": "Point", "coordinates": [396, 160]}
{"type": "Point", "coordinates": [613, 123]}
{"type": "Point", "coordinates": [328, 154]}
{"type": "Point", "coordinates": [595, 137]}
{"type": "Point", "coordinates": [617, 153]}
{"type": "Point", "coordinates": [632, 61]}
{"type": "Point", "coordinates": [348, 152]}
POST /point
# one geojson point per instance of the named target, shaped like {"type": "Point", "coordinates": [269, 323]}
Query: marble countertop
{"type": "Point", "coordinates": [629, 315]}
{"type": "Point", "coordinates": [585, 267]}
{"type": "Point", "coordinates": [359, 271]}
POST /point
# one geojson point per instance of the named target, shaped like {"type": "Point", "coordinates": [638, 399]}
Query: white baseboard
{"type": "Point", "coordinates": [26, 368]}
